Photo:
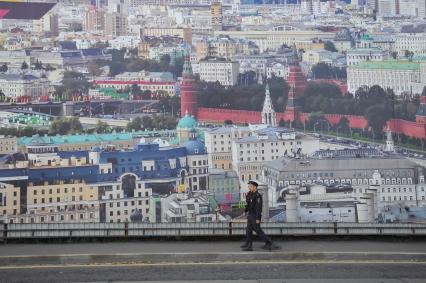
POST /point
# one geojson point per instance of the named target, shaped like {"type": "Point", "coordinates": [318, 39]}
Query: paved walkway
{"type": "Point", "coordinates": [170, 247]}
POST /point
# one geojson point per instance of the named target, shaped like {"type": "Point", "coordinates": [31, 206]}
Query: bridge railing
{"type": "Point", "coordinates": [229, 229]}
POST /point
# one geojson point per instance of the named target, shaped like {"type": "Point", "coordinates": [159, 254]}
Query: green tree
{"type": "Point", "coordinates": [3, 68]}
{"type": "Point", "coordinates": [94, 69]}
{"type": "Point", "coordinates": [228, 122]}
{"type": "Point", "coordinates": [60, 126]}
{"type": "Point", "coordinates": [75, 125]}
{"type": "Point", "coordinates": [38, 65]}
{"type": "Point", "coordinates": [2, 96]}
{"type": "Point", "coordinates": [135, 124]}
{"type": "Point", "coordinates": [329, 45]}
{"type": "Point", "coordinates": [64, 125]}
{"type": "Point", "coordinates": [49, 68]}
{"type": "Point", "coordinates": [135, 91]}
{"type": "Point", "coordinates": [321, 71]}
{"type": "Point", "coordinates": [377, 116]}
{"type": "Point", "coordinates": [24, 66]}
{"type": "Point", "coordinates": [163, 122]}
{"type": "Point", "coordinates": [102, 127]}
{"type": "Point", "coordinates": [343, 125]}
{"type": "Point", "coordinates": [316, 121]}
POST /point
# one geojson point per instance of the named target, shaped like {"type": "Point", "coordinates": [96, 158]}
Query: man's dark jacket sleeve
{"type": "Point", "coordinates": [258, 206]}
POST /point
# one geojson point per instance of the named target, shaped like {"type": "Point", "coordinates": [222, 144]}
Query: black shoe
{"type": "Point", "coordinates": [248, 249]}
{"type": "Point", "coordinates": [270, 246]}
{"type": "Point", "coordinates": [267, 246]}
{"type": "Point", "coordinates": [244, 245]}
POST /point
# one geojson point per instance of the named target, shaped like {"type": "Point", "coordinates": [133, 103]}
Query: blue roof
{"type": "Point", "coordinates": [92, 52]}
{"type": "Point", "coordinates": [194, 147]}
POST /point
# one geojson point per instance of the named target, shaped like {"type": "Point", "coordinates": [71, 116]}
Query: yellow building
{"type": "Point", "coordinates": [60, 202]}
{"type": "Point", "coordinates": [307, 45]}
{"type": "Point", "coordinates": [216, 14]}
{"type": "Point", "coordinates": [185, 33]}
{"type": "Point", "coordinates": [9, 200]}
{"type": "Point", "coordinates": [61, 194]}
{"type": "Point", "coordinates": [8, 145]}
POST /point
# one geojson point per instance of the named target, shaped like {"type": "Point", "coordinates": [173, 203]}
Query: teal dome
{"type": "Point", "coordinates": [187, 122]}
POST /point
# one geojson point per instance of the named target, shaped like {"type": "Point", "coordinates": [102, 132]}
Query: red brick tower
{"type": "Point", "coordinates": [188, 96]}
{"type": "Point", "coordinates": [421, 112]}
{"type": "Point", "coordinates": [297, 82]}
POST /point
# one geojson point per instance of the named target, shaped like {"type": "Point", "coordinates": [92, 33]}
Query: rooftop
{"type": "Point", "coordinates": [349, 164]}
{"type": "Point", "coordinates": [388, 65]}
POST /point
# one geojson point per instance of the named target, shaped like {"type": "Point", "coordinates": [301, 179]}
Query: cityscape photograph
{"type": "Point", "coordinates": [213, 141]}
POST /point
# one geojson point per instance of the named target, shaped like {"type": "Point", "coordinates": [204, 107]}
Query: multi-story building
{"type": "Point", "coordinates": [148, 42]}
{"type": "Point", "coordinates": [401, 76]}
{"type": "Point", "coordinates": [343, 40]}
{"type": "Point", "coordinates": [216, 14]}
{"type": "Point", "coordinates": [8, 145]}
{"type": "Point", "coordinates": [387, 8]}
{"type": "Point", "coordinates": [184, 33]}
{"type": "Point", "coordinates": [182, 207]}
{"type": "Point", "coordinates": [260, 63]}
{"type": "Point", "coordinates": [49, 23]}
{"type": "Point", "coordinates": [355, 56]}
{"type": "Point", "coordinates": [224, 185]}
{"type": "Point", "coordinates": [14, 86]}
{"type": "Point", "coordinates": [94, 20]}
{"type": "Point", "coordinates": [398, 177]}
{"type": "Point", "coordinates": [13, 43]}
{"type": "Point", "coordinates": [309, 44]}
{"type": "Point", "coordinates": [273, 40]}
{"type": "Point", "coordinates": [10, 201]}
{"type": "Point", "coordinates": [319, 203]}
{"type": "Point", "coordinates": [64, 201]}
{"type": "Point", "coordinates": [99, 184]}
{"type": "Point", "coordinates": [59, 59]}
{"type": "Point", "coordinates": [121, 83]}
{"type": "Point", "coordinates": [14, 59]}
{"type": "Point", "coordinates": [421, 9]}
{"type": "Point", "coordinates": [316, 56]}
{"type": "Point", "coordinates": [413, 42]}
{"type": "Point", "coordinates": [115, 24]}
{"type": "Point", "coordinates": [223, 71]}
{"type": "Point", "coordinates": [249, 154]}
{"type": "Point", "coordinates": [174, 52]}
{"type": "Point", "coordinates": [224, 47]}
{"type": "Point", "coordinates": [122, 198]}
{"type": "Point", "coordinates": [123, 140]}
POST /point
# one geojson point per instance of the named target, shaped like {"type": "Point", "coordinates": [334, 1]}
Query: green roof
{"type": "Point", "coordinates": [187, 122]}
{"type": "Point", "coordinates": [388, 65]}
{"type": "Point", "coordinates": [83, 138]}
{"type": "Point", "coordinates": [365, 50]}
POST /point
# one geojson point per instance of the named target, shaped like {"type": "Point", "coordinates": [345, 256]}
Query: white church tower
{"type": "Point", "coordinates": [390, 146]}
{"type": "Point", "coordinates": [268, 112]}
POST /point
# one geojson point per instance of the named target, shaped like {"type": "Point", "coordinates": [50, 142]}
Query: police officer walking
{"type": "Point", "coordinates": [254, 215]}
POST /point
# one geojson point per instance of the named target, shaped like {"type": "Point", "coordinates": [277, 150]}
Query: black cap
{"type": "Point", "coordinates": [253, 183]}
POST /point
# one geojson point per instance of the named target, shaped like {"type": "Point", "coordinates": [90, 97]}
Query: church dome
{"type": "Point", "coordinates": [194, 147]}
{"type": "Point", "coordinates": [187, 122]}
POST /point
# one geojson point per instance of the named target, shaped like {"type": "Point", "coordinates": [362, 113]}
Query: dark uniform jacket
{"type": "Point", "coordinates": [254, 205]}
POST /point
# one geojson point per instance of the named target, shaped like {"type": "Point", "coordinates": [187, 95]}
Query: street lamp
{"type": "Point", "coordinates": [315, 125]}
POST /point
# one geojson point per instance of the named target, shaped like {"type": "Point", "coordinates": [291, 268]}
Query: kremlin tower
{"type": "Point", "coordinates": [297, 82]}
{"type": "Point", "coordinates": [188, 96]}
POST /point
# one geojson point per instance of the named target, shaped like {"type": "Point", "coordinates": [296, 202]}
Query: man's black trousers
{"type": "Point", "coordinates": [253, 226]}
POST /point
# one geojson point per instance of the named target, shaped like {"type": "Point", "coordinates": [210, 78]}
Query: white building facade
{"type": "Point", "coordinates": [225, 72]}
